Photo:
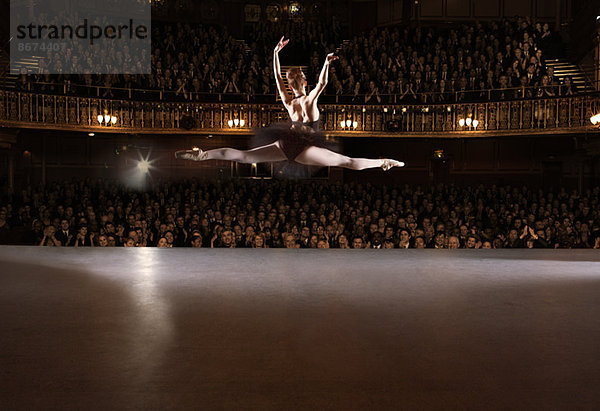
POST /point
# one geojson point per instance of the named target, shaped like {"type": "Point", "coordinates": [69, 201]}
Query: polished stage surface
{"type": "Point", "coordinates": [299, 329]}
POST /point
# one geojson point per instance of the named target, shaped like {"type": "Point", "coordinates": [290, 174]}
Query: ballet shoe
{"type": "Point", "coordinates": [389, 163]}
{"type": "Point", "coordinates": [194, 155]}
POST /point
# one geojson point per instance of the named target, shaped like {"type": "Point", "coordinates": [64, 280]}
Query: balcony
{"type": "Point", "coordinates": [480, 119]}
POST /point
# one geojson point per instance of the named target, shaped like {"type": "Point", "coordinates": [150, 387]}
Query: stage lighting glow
{"type": "Point", "coordinates": [91, 134]}
{"type": "Point", "coordinates": [144, 166]}
{"type": "Point", "coordinates": [196, 148]}
{"type": "Point", "coordinates": [595, 119]}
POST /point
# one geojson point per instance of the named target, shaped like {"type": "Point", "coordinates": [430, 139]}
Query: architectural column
{"type": "Point", "coordinates": [11, 172]}
{"type": "Point", "coordinates": [597, 62]}
{"type": "Point", "coordinates": [557, 23]}
{"type": "Point", "coordinates": [44, 161]}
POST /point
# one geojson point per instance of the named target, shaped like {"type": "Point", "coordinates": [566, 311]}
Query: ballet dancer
{"type": "Point", "coordinates": [298, 141]}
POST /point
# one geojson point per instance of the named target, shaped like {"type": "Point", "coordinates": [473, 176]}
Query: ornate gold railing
{"type": "Point", "coordinates": [560, 114]}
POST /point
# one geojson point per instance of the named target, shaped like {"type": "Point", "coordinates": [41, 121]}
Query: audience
{"type": "Point", "coordinates": [439, 64]}
{"type": "Point", "coordinates": [400, 64]}
{"type": "Point", "coordinates": [283, 214]}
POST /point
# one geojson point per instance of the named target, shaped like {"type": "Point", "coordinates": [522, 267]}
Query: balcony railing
{"type": "Point", "coordinates": [526, 116]}
{"type": "Point", "coordinates": [66, 88]}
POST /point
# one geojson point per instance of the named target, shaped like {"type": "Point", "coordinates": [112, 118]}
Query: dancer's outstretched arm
{"type": "Point", "coordinates": [285, 97]}
{"type": "Point", "coordinates": [323, 77]}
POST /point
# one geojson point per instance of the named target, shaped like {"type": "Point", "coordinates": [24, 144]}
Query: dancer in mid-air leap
{"type": "Point", "coordinates": [298, 141]}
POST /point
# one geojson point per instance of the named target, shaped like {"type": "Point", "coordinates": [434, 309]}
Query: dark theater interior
{"type": "Point", "coordinates": [422, 178]}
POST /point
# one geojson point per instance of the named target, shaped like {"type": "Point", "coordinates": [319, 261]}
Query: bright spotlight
{"type": "Point", "coordinates": [144, 166]}
{"type": "Point", "coordinates": [348, 123]}
{"type": "Point", "coordinates": [342, 123]}
{"type": "Point", "coordinates": [595, 119]}
{"type": "Point", "coordinates": [91, 134]}
{"type": "Point", "coordinates": [242, 122]}
{"type": "Point", "coordinates": [236, 122]}
{"type": "Point", "coordinates": [355, 124]}
{"type": "Point", "coordinates": [475, 123]}
{"type": "Point", "coordinates": [461, 122]}
{"type": "Point", "coordinates": [468, 121]}
{"type": "Point", "coordinates": [230, 123]}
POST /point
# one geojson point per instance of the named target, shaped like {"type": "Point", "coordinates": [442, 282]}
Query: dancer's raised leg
{"type": "Point", "coordinates": [264, 154]}
{"type": "Point", "coordinates": [318, 156]}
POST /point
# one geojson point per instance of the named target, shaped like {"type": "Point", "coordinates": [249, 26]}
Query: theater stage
{"type": "Point", "coordinates": [299, 329]}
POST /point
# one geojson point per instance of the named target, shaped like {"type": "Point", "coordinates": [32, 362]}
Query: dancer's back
{"type": "Point", "coordinates": [303, 108]}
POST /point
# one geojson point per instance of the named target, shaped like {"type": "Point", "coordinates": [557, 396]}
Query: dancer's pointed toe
{"type": "Point", "coordinates": [389, 163]}
{"type": "Point", "coordinates": [193, 155]}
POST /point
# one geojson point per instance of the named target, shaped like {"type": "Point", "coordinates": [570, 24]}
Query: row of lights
{"type": "Point", "coordinates": [107, 119]}
{"type": "Point", "coordinates": [110, 120]}
{"type": "Point", "coordinates": [468, 122]}
{"type": "Point", "coordinates": [236, 123]}
{"type": "Point", "coordinates": [349, 124]}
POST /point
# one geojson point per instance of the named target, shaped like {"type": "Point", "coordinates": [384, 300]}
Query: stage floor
{"type": "Point", "coordinates": [299, 329]}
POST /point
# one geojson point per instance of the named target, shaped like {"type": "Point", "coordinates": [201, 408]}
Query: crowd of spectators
{"type": "Point", "coordinates": [185, 59]}
{"type": "Point", "coordinates": [451, 63]}
{"type": "Point", "coordinates": [285, 214]}
{"type": "Point", "coordinates": [190, 61]}
{"type": "Point", "coordinates": [400, 64]}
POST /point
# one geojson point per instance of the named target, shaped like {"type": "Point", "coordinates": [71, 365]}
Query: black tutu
{"type": "Point", "coordinates": [294, 137]}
